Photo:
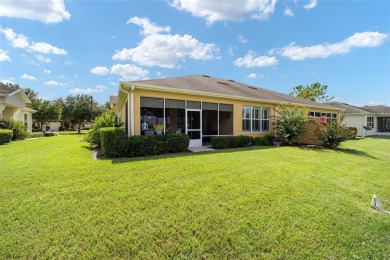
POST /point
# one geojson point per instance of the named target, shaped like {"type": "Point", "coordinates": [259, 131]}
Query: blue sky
{"type": "Point", "coordinates": [69, 47]}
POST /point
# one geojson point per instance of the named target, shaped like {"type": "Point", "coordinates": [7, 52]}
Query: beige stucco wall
{"type": "Point", "coordinates": [237, 111]}
{"type": "Point", "coordinates": [18, 114]}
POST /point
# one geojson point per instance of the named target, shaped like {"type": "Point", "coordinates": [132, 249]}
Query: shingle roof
{"type": "Point", "coordinates": [203, 83]}
{"type": "Point", "coordinates": [7, 90]}
{"type": "Point", "coordinates": [349, 109]}
{"type": "Point", "coordinates": [377, 109]}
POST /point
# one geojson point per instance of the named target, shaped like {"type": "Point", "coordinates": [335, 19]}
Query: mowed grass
{"type": "Point", "coordinates": [286, 202]}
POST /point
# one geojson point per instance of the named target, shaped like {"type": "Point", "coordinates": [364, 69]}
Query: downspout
{"type": "Point", "coordinates": [128, 109]}
{"type": "Point", "coordinates": [132, 111]}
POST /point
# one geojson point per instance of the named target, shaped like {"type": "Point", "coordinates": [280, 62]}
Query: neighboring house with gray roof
{"type": "Point", "coordinates": [375, 118]}
{"type": "Point", "coordinates": [202, 107]}
{"type": "Point", "coordinates": [13, 105]}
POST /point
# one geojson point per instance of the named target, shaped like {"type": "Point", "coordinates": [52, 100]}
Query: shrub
{"type": "Point", "coordinates": [331, 134]}
{"type": "Point", "coordinates": [136, 146]}
{"type": "Point", "coordinates": [290, 123]}
{"type": "Point", "coordinates": [352, 132]}
{"type": "Point", "coordinates": [107, 119]}
{"type": "Point", "coordinates": [112, 141]}
{"type": "Point", "coordinates": [227, 142]}
{"type": "Point", "coordinates": [5, 136]}
{"type": "Point", "coordinates": [17, 127]}
{"type": "Point", "coordinates": [116, 144]}
{"type": "Point", "coordinates": [35, 134]}
{"type": "Point", "coordinates": [262, 141]}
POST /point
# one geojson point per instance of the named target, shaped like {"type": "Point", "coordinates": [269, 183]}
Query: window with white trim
{"type": "Point", "coordinates": [255, 119]}
{"type": "Point", "coordinates": [370, 122]}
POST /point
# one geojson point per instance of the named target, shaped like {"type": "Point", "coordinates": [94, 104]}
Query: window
{"type": "Point", "coordinates": [246, 119]}
{"type": "Point", "coordinates": [255, 119]}
{"type": "Point", "coordinates": [370, 122]}
{"type": "Point", "coordinates": [26, 120]}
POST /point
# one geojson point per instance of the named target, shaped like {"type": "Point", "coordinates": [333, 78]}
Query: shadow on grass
{"type": "Point", "coordinates": [183, 154]}
{"type": "Point", "coordinates": [340, 150]}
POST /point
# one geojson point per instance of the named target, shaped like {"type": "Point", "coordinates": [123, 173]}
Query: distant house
{"type": "Point", "coordinates": [375, 118]}
{"type": "Point", "coordinates": [13, 105]}
{"type": "Point", "coordinates": [202, 107]}
{"type": "Point", "coordinates": [113, 101]}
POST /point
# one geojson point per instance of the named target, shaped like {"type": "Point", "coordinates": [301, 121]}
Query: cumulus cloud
{"type": "Point", "coordinates": [311, 4]}
{"type": "Point", "coordinates": [364, 39]}
{"type": "Point", "coordinates": [167, 50]}
{"type": "Point", "coordinates": [129, 72]}
{"type": "Point", "coordinates": [147, 26]}
{"type": "Point", "coordinates": [21, 41]}
{"type": "Point", "coordinates": [288, 12]}
{"type": "Point", "coordinates": [4, 56]}
{"type": "Point", "coordinates": [47, 71]}
{"type": "Point", "coordinates": [49, 11]}
{"type": "Point", "coordinates": [100, 70]}
{"type": "Point", "coordinates": [87, 91]}
{"type": "Point", "coordinates": [258, 76]}
{"type": "Point", "coordinates": [16, 40]}
{"type": "Point", "coordinates": [250, 60]}
{"type": "Point", "coordinates": [55, 83]}
{"type": "Point", "coordinates": [214, 11]}
{"type": "Point", "coordinates": [28, 77]}
{"type": "Point", "coordinates": [46, 48]}
{"type": "Point", "coordinates": [43, 59]}
{"type": "Point", "coordinates": [242, 39]}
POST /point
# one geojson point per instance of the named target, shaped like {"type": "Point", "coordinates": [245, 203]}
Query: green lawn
{"type": "Point", "coordinates": [286, 202]}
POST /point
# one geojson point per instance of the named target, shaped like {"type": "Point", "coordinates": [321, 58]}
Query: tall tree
{"type": "Point", "coordinates": [314, 92]}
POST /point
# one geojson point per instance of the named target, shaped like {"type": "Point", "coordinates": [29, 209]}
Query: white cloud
{"type": "Point", "coordinates": [214, 11]}
{"type": "Point", "coordinates": [49, 11]}
{"type": "Point", "coordinates": [76, 75]}
{"type": "Point", "coordinates": [310, 5]}
{"type": "Point", "coordinates": [28, 77]}
{"type": "Point", "coordinates": [100, 70]}
{"type": "Point", "coordinates": [252, 76]}
{"type": "Point", "coordinates": [47, 71]}
{"type": "Point", "coordinates": [97, 89]}
{"type": "Point", "coordinates": [113, 83]}
{"type": "Point", "coordinates": [147, 26]}
{"type": "Point", "coordinates": [167, 50]}
{"type": "Point", "coordinates": [288, 12]}
{"type": "Point", "coordinates": [6, 81]}
{"type": "Point", "coordinates": [21, 41]}
{"type": "Point", "coordinates": [43, 59]}
{"type": "Point", "coordinates": [55, 83]}
{"type": "Point", "coordinates": [129, 72]}
{"type": "Point", "coordinates": [68, 62]}
{"type": "Point", "coordinates": [113, 37]}
{"type": "Point", "coordinates": [251, 61]}
{"type": "Point", "coordinates": [16, 40]}
{"type": "Point", "coordinates": [242, 39]}
{"type": "Point", "coordinates": [257, 76]}
{"type": "Point", "coordinates": [46, 48]}
{"type": "Point", "coordinates": [4, 56]}
{"type": "Point", "coordinates": [364, 39]}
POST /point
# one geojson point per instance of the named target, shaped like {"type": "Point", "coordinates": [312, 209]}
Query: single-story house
{"type": "Point", "coordinates": [203, 106]}
{"type": "Point", "coordinates": [113, 101]}
{"type": "Point", "coordinates": [369, 120]}
{"type": "Point", "coordinates": [13, 105]}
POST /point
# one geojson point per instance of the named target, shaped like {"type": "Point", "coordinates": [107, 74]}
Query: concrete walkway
{"type": "Point", "coordinates": [200, 149]}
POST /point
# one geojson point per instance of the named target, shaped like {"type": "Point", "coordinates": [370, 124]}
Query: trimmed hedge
{"type": "Point", "coordinates": [35, 134]}
{"type": "Point", "coordinates": [227, 142]}
{"type": "Point", "coordinates": [17, 127]}
{"type": "Point", "coordinates": [5, 136]}
{"type": "Point", "coordinates": [114, 143]}
{"type": "Point", "coordinates": [112, 140]}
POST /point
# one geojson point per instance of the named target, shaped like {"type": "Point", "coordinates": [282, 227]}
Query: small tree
{"type": "Point", "coordinates": [19, 131]}
{"type": "Point", "coordinates": [331, 134]}
{"type": "Point", "coordinates": [314, 92]}
{"type": "Point", "coordinates": [290, 123]}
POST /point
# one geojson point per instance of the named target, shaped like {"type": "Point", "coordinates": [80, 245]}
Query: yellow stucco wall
{"type": "Point", "coordinates": [237, 111]}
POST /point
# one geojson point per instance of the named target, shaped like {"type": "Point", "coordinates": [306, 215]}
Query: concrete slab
{"type": "Point", "coordinates": [200, 149]}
